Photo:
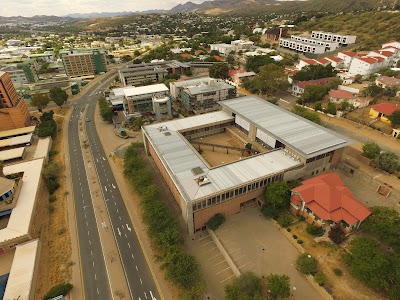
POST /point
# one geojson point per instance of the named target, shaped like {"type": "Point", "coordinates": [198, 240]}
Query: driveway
{"type": "Point", "coordinates": [263, 249]}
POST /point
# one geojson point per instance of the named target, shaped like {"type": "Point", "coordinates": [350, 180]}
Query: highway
{"type": "Point", "coordinates": [139, 278]}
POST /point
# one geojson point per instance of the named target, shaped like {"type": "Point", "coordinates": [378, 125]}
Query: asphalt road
{"type": "Point", "coordinates": [95, 277]}
{"type": "Point", "coordinates": [137, 272]}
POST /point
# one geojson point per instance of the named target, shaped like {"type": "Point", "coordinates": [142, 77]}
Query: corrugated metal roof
{"type": "Point", "coordinates": [18, 131]}
{"type": "Point", "coordinates": [16, 140]}
{"type": "Point", "coordinates": [147, 89]}
{"type": "Point", "coordinates": [306, 137]}
{"type": "Point", "coordinates": [180, 158]}
{"type": "Point", "coordinates": [12, 153]}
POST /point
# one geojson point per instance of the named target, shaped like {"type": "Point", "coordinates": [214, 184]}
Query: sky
{"type": "Point", "coordinates": [28, 8]}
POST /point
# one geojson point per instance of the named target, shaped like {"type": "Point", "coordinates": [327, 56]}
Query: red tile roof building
{"type": "Point", "coordinates": [386, 108]}
{"type": "Point", "coordinates": [341, 94]}
{"type": "Point", "coordinates": [325, 199]}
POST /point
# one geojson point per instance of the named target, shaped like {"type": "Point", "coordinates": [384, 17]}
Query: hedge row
{"type": "Point", "coordinates": [181, 268]}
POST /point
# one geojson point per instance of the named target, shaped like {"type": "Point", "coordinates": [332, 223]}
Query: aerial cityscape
{"type": "Point", "coordinates": [223, 149]}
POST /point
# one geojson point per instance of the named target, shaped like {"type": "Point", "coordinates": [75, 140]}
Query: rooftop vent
{"type": "Point", "coordinates": [167, 133]}
{"type": "Point", "coordinates": [197, 171]}
{"type": "Point", "coordinates": [162, 128]}
{"type": "Point", "coordinates": [202, 180]}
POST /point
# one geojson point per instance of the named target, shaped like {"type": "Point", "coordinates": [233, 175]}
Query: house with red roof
{"type": "Point", "coordinates": [325, 199]}
{"type": "Point", "coordinates": [347, 57]}
{"type": "Point", "coordinates": [339, 96]}
{"type": "Point", "coordinates": [386, 81]}
{"type": "Point", "coordinates": [383, 111]}
{"type": "Point", "coordinates": [366, 65]}
{"type": "Point", "coordinates": [299, 87]}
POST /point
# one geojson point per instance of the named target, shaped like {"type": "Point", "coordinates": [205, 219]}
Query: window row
{"type": "Point", "coordinates": [235, 193]}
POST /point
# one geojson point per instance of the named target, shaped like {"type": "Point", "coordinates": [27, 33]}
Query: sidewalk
{"type": "Point", "coordinates": [110, 144]}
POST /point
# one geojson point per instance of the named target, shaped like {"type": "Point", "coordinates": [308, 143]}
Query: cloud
{"type": "Point", "coordinates": [62, 7]}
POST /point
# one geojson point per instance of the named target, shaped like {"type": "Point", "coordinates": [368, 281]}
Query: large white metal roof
{"type": "Point", "coordinates": [21, 279]}
{"type": "Point", "coordinates": [306, 137]}
{"type": "Point", "coordinates": [12, 153]}
{"type": "Point", "coordinates": [179, 158]}
{"type": "Point", "coordinates": [147, 89]}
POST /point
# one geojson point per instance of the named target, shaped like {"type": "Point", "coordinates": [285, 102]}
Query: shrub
{"type": "Point", "coordinates": [315, 230]}
{"type": "Point", "coordinates": [301, 218]}
{"type": "Point", "coordinates": [338, 272]}
{"type": "Point", "coordinates": [295, 236]}
{"type": "Point", "coordinates": [50, 208]}
{"type": "Point", "coordinates": [289, 229]}
{"type": "Point", "coordinates": [215, 221]}
{"type": "Point", "coordinates": [285, 219]}
{"type": "Point", "coordinates": [320, 278]}
{"type": "Point", "coordinates": [52, 186]}
{"type": "Point", "coordinates": [307, 264]}
{"type": "Point", "coordinates": [270, 211]}
{"type": "Point", "coordinates": [58, 290]}
{"type": "Point", "coordinates": [52, 199]}
{"type": "Point", "coordinates": [300, 242]}
{"type": "Point", "coordinates": [337, 236]}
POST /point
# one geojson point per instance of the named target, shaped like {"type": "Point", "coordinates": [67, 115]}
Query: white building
{"type": "Point", "coordinates": [342, 39]}
{"type": "Point", "coordinates": [301, 46]}
{"type": "Point", "coordinates": [347, 57]}
{"type": "Point", "coordinates": [366, 65]}
{"type": "Point", "coordinates": [237, 45]}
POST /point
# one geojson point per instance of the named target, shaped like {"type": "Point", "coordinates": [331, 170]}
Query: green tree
{"type": "Point", "coordinates": [136, 53]}
{"type": "Point", "coordinates": [372, 90]}
{"type": "Point", "coordinates": [219, 70]}
{"type": "Point", "coordinates": [279, 286]}
{"type": "Point", "coordinates": [333, 83]}
{"type": "Point", "coordinates": [358, 78]}
{"type": "Point", "coordinates": [58, 96]}
{"type": "Point", "coordinates": [214, 53]}
{"type": "Point", "coordinates": [230, 59]}
{"type": "Point", "coordinates": [387, 161]}
{"type": "Point", "coordinates": [246, 286]}
{"type": "Point", "coordinates": [106, 112]}
{"type": "Point", "coordinates": [331, 109]}
{"type": "Point", "coordinates": [40, 101]}
{"type": "Point", "coordinates": [271, 79]}
{"type": "Point", "coordinates": [314, 93]}
{"type": "Point", "coordinates": [313, 72]}
{"type": "Point", "coordinates": [395, 118]}
{"type": "Point", "coordinates": [389, 92]}
{"type": "Point", "coordinates": [277, 194]}
{"type": "Point", "coordinates": [383, 223]}
{"type": "Point", "coordinates": [306, 114]}
{"type": "Point", "coordinates": [126, 58]}
{"type": "Point", "coordinates": [254, 63]}
{"type": "Point", "coordinates": [371, 150]}
{"type": "Point", "coordinates": [307, 264]}
{"type": "Point", "coordinates": [215, 221]}
{"type": "Point", "coordinates": [60, 289]}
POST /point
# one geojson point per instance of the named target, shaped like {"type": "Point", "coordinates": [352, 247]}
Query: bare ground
{"type": "Point", "coordinates": [54, 264]}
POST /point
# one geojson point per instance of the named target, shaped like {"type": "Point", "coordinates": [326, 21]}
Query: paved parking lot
{"type": "Point", "coordinates": [216, 270]}
{"type": "Point", "coordinates": [255, 244]}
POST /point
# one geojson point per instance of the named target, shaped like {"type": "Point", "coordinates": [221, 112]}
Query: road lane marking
{"type": "Point", "coordinates": [142, 283]}
{"type": "Point", "coordinates": [129, 245]}
{"type": "Point", "coordinates": [113, 186]}
{"type": "Point", "coordinates": [98, 291]}
{"type": "Point", "coordinates": [105, 188]}
{"type": "Point", "coordinates": [119, 232]}
{"type": "Point", "coordinates": [137, 268]}
{"type": "Point", "coordinates": [133, 256]}
{"type": "Point", "coordinates": [127, 227]}
{"type": "Point", "coordinates": [88, 232]}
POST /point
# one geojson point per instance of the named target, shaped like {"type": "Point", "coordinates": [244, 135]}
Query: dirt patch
{"type": "Point", "coordinates": [52, 224]}
{"type": "Point", "coordinates": [329, 256]}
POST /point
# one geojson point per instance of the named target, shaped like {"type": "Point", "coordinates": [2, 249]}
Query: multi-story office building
{"type": "Point", "coordinates": [294, 148]}
{"type": "Point", "coordinates": [202, 95]}
{"type": "Point", "coordinates": [17, 75]}
{"type": "Point", "coordinates": [79, 63]}
{"type": "Point", "coordinates": [147, 73]}
{"type": "Point", "coordinates": [13, 110]}
{"type": "Point", "coordinates": [144, 101]}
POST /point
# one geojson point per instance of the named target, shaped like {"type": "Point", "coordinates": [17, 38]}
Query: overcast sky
{"type": "Point", "coordinates": [30, 8]}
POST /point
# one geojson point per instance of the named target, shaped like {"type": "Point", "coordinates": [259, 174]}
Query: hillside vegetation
{"type": "Point", "coordinates": [372, 29]}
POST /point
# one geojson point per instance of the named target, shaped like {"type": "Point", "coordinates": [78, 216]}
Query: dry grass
{"type": "Point", "coordinates": [55, 265]}
{"type": "Point", "coordinates": [329, 256]}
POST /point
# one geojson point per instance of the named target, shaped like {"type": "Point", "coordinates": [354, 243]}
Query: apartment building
{"type": "Point", "coordinates": [300, 46]}
{"type": "Point", "coordinates": [17, 75]}
{"type": "Point", "coordinates": [13, 110]}
{"type": "Point", "coordinates": [295, 148]}
{"type": "Point", "coordinates": [237, 45]}
{"type": "Point", "coordinates": [342, 39]}
{"type": "Point", "coordinates": [79, 63]}
{"type": "Point", "coordinates": [147, 73]}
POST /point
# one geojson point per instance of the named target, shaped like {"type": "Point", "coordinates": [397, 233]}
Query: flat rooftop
{"type": "Point", "coordinates": [180, 158]}
{"type": "Point", "coordinates": [147, 89]}
{"type": "Point", "coordinates": [20, 219]}
{"type": "Point", "coordinates": [16, 132]}
{"type": "Point", "coordinates": [306, 137]}
{"type": "Point", "coordinates": [12, 154]}
{"type": "Point", "coordinates": [21, 277]}
{"type": "Point", "coordinates": [210, 87]}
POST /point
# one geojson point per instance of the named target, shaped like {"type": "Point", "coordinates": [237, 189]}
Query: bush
{"type": "Point", "coordinates": [52, 186]}
{"type": "Point", "coordinates": [216, 221]}
{"type": "Point", "coordinates": [301, 218]}
{"type": "Point", "coordinates": [320, 278]}
{"type": "Point", "coordinates": [295, 236]}
{"type": "Point", "coordinates": [52, 199]}
{"type": "Point", "coordinates": [315, 230]}
{"type": "Point", "coordinates": [270, 211]}
{"type": "Point", "coordinates": [285, 219]}
{"type": "Point", "coordinates": [58, 290]}
{"type": "Point", "coordinates": [289, 229]}
{"type": "Point", "coordinates": [338, 272]}
{"type": "Point", "coordinates": [50, 208]}
{"type": "Point", "coordinates": [300, 242]}
{"type": "Point", "coordinates": [337, 236]}
{"type": "Point", "coordinates": [307, 264]}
